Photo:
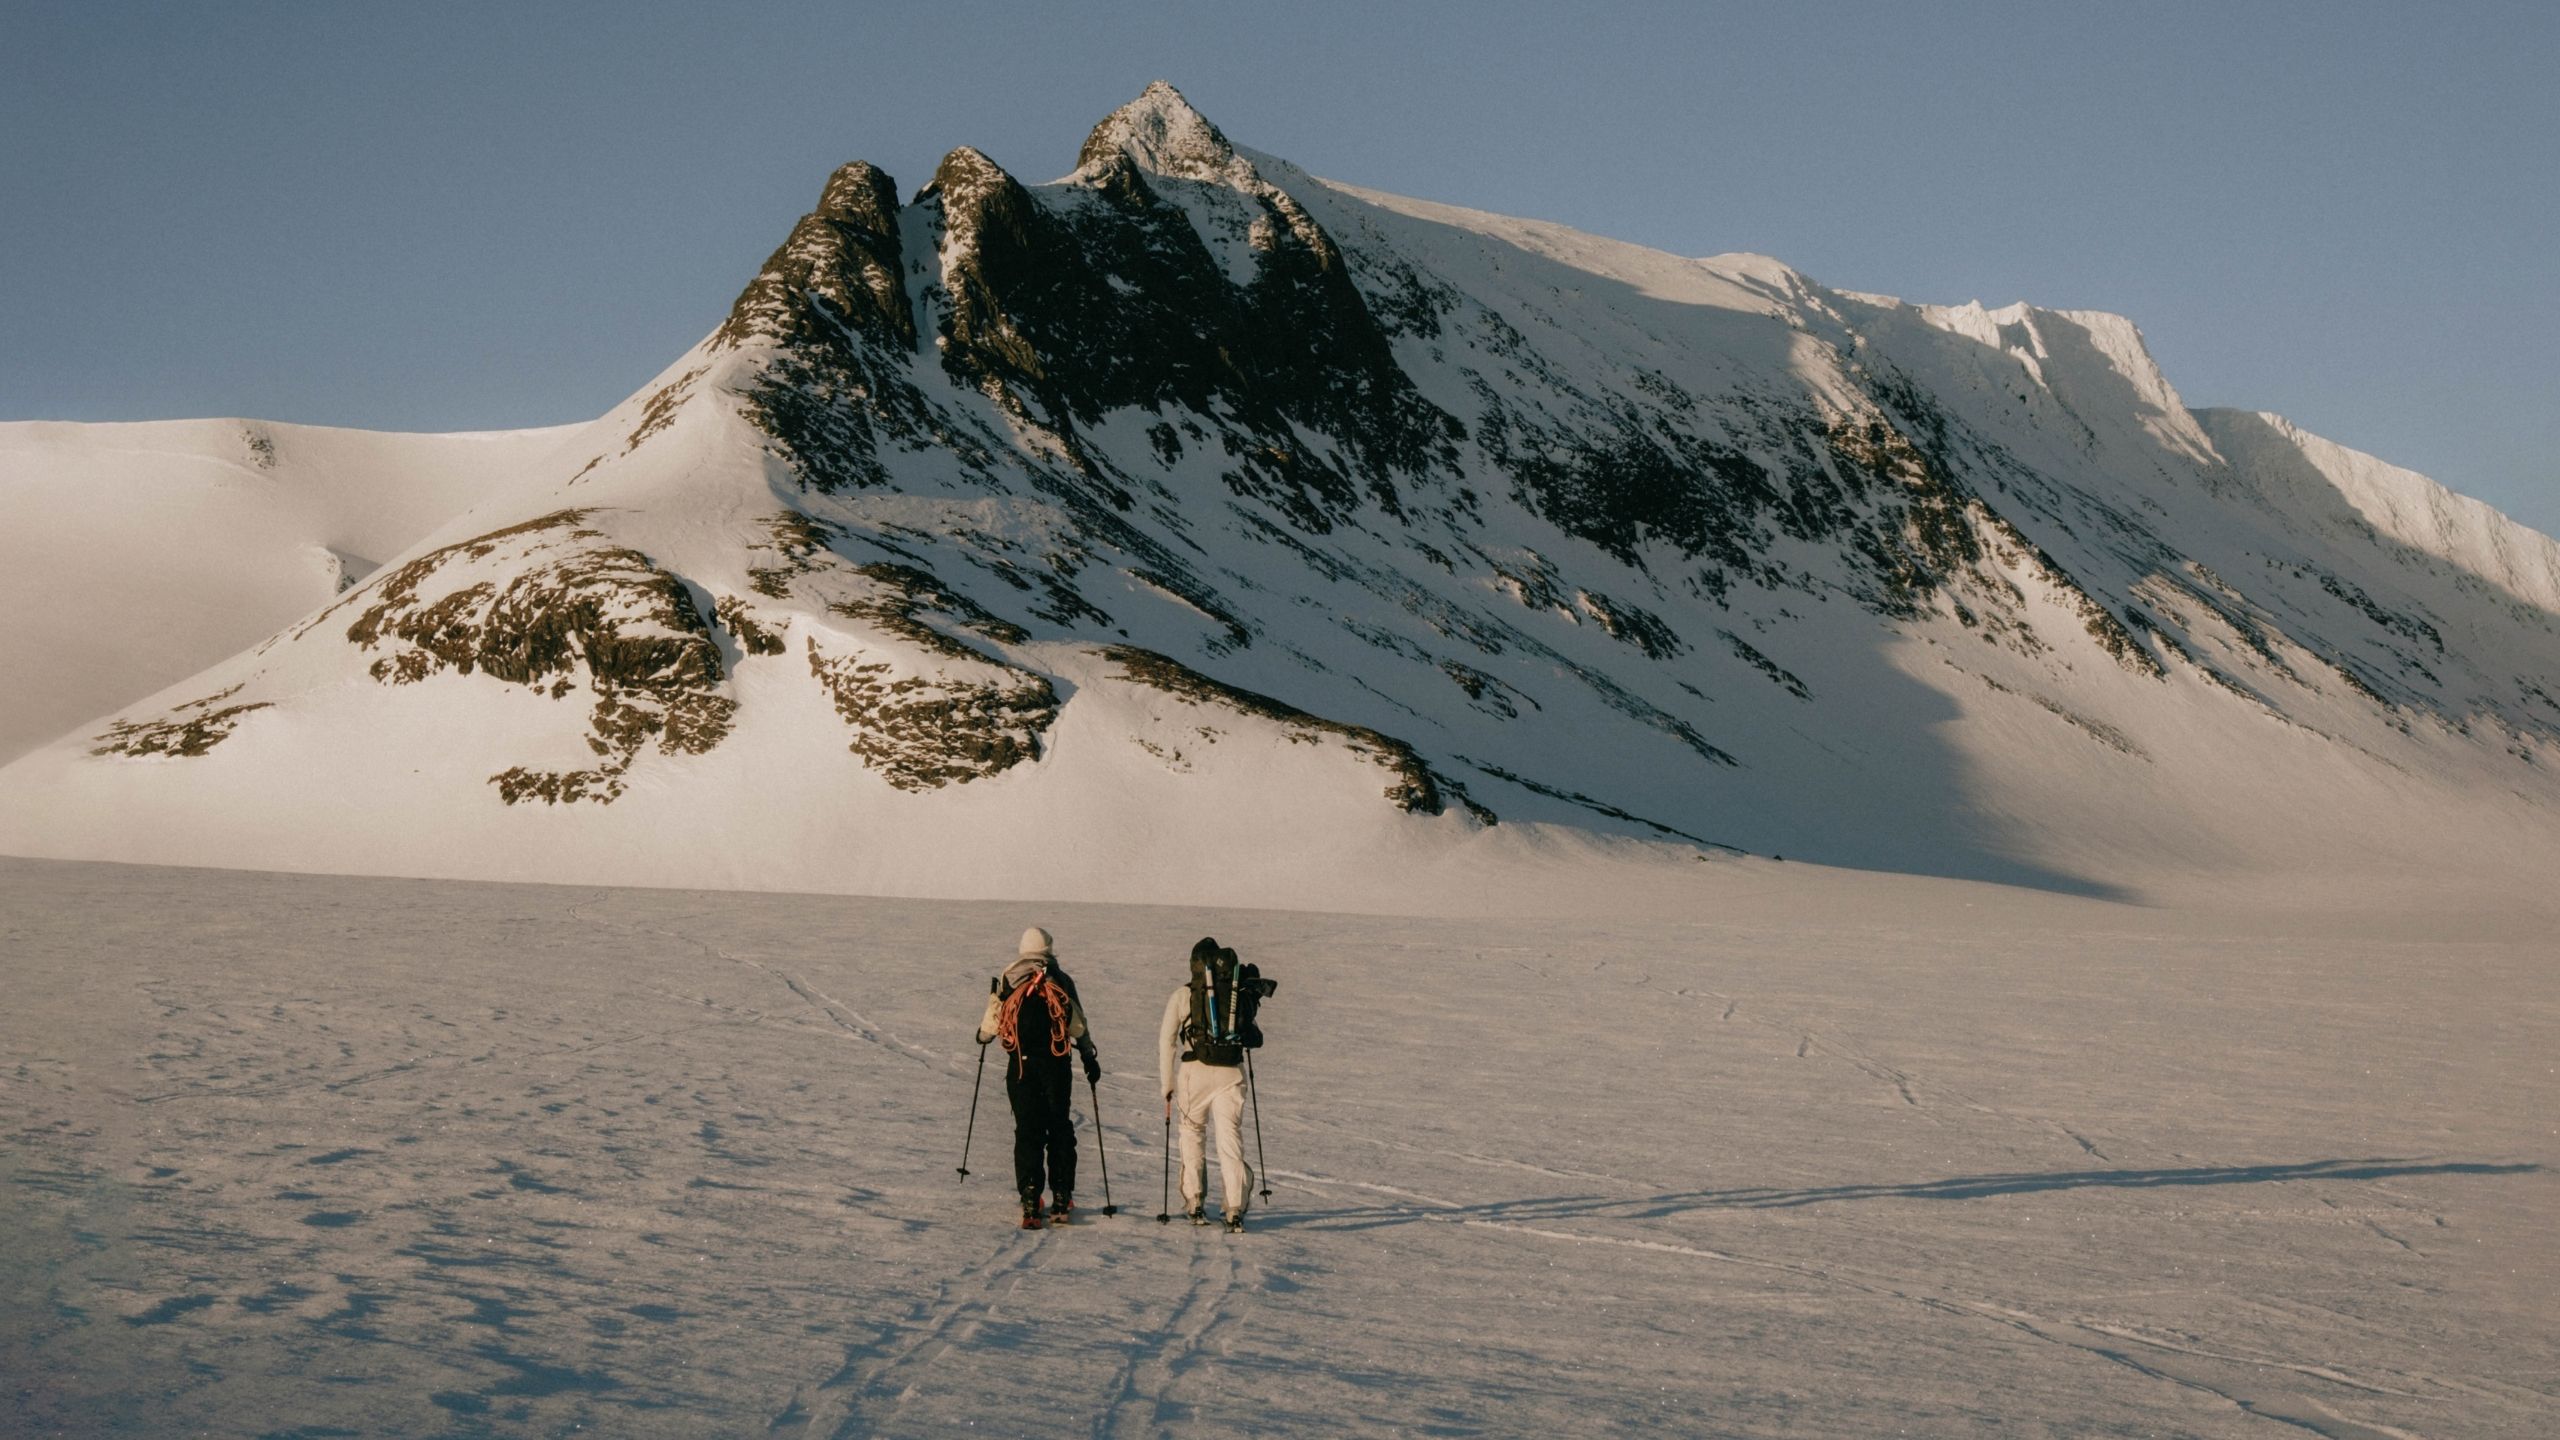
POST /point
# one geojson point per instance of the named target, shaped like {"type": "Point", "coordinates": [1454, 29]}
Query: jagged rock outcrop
{"type": "Point", "coordinates": [1683, 548]}
{"type": "Point", "coordinates": [550, 604]}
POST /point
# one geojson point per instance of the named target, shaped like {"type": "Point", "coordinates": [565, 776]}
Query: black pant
{"type": "Point", "coordinates": [1041, 1088]}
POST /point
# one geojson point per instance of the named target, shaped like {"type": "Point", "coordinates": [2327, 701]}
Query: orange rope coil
{"type": "Point", "coordinates": [1009, 1015]}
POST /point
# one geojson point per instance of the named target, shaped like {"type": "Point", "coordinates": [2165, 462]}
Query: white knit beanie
{"type": "Point", "coordinates": [1035, 944]}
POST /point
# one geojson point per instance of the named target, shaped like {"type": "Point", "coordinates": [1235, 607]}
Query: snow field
{"type": "Point", "coordinates": [150, 551]}
{"type": "Point", "coordinates": [1843, 1155]}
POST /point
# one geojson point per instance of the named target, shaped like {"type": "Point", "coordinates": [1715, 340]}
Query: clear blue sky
{"type": "Point", "coordinates": [462, 216]}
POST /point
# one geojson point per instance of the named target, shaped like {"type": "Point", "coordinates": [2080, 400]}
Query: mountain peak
{"type": "Point", "coordinates": [862, 195]}
{"type": "Point", "coordinates": [1162, 133]}
{"type": "Point", "coordinates": [1193, 484]}
{"type": "Point", "coordinates": [966, 173]}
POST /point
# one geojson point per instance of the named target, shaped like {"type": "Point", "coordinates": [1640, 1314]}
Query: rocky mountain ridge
{"type": "Point", "coordinates": [1259, 472]}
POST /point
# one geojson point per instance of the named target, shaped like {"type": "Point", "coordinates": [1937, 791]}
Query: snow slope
{"type": "Point", "coordinates": [1191, 528]}
{"type": "Point", "coordinates": [154, 550]}
{"type": "Point", "coordinates": [1840, 1155]}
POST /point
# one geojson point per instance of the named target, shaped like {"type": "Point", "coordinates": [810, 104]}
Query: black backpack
{"type": "Point", "coordinates": [1226, 996]}
{"type": "Point", "coordinates": [1032, 1016]}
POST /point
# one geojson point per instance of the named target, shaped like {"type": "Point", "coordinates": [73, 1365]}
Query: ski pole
{"type": "Point", "coordinates": [1107, 1207]}
{"type": "Point", "coordinates": [973, 1111]}
{"type": "Point", "coordinates": [1253, 1092]}
{"type": "Point", "coordinates": [1164, 1212]}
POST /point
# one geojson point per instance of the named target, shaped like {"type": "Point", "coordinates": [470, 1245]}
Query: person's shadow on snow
{"type": "Point", "coordinates": [1961, 1187]}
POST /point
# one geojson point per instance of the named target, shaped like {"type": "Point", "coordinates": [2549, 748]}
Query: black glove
{"type": "Point", "coordinates": [1092, 1068]}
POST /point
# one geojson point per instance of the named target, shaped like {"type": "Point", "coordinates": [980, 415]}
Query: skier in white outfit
{"type": "Point", "coordinates": [1202, 1093]}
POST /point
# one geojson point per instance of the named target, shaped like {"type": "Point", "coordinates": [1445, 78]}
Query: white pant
{"type": "Point", "coordinates": [1206, 1094]}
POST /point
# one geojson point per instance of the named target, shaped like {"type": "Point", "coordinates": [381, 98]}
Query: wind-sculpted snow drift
{"type": "Point", "coordinates": [1190, 527]}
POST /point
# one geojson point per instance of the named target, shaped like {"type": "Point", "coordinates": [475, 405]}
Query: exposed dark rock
{"type": "Point", "coordinates": [1162, 131]}
{"type": "Point", "coordinates": [177, 733]}
{"type": "Point", "coordinates": [799, 540]}
{"type": "Point", "coordinates": [922, 732]}
{"type": "Point", "coordinates": [2105, 734]}
{"type": "Point", "coordinates": [1414, 789]}
{"type": "Point", "coordinates": [1778, 675]}
{"type": "Point", "coordinates": [1635, 707]}
{"type": "Point", "coordinates": [1487, 693]}
{"type": "Point", "coordinates": [906, 590]}
{"type": "Point", "coordinates": [1625, 485]}
{"type": "Point", "coordinates": [2407, 625]}
{"type": "Point", "coordinates": [1531, 579]}
{"type": "Point", "coordinates": [1238, 635]}
{"type": "Point", "coordinates": [2097, 619]}
{"type": "Point", "coordinates": [659, 410]}
{"type": "Point", "coordinates": [833, 304]}
{"type": "Point", "coordinates": [752, 634]}
{"type": "Point", "coordinates": [1597, 807]}
{"type": "Point", "coordinates": [1457, 790]}
{"type": "Point", "coordinates": [561, 610]}
{"type": "Point", "coordinates": [839, 267]}
{"type": "Point", "coordinates": [1110, 298]}
{"type": "Point", "coordinates": [1631, 624]}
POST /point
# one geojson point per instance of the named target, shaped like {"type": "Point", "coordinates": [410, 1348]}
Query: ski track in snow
{"type": "Point", "coordinates": [1151, 1371]}
{"type": "Point", "coordinates": [2320, 1419]}
{"type": "Point", "coordinates": [2317, 1418]}
{"type": "Point", "coordinates": [855, 1399]}
{"type": "Point", "coordinates": [691, 1172]}
{"type": "Point", "coordinates": [837, 1013]}
{"type": "Point", "coordinates": [2305, 1414]}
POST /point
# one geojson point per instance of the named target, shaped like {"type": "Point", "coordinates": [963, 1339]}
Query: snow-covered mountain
{"type": "Point", "coordinates": [155, 550]}
{"type": "Point", "coordinates": [1191, 527]}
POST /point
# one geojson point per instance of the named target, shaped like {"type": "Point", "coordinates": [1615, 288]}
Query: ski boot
{"type": "Point", "coordinates": [1031, 1214]}
{"type": "Point", "coordinates": [1198, 1215]}
{"type": "Point", "coordinates": [1062, 1210]}
{"type": "Point", "coordinates": [1235, 1222]}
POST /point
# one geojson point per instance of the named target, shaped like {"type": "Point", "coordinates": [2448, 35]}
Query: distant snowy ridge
{"type": "Point", "coordinates": [158, 548]}
{"type": "Point", "coordinates": [2350, 488]}
{"type": "Point", "coordinates": [1191, 528]}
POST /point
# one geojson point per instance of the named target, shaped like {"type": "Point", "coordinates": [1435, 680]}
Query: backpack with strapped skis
{"type": "Point", "coordinates": [1225, 998]}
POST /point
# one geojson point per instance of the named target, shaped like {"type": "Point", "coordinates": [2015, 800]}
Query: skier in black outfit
{"type": "Point", "coordinates": [1032, 1008]}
